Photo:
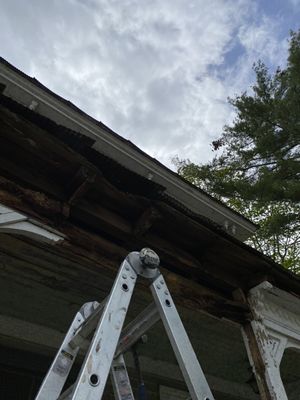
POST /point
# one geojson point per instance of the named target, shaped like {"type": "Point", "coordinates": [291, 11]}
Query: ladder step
{"type": "Point", "coordinates": [137, 328]}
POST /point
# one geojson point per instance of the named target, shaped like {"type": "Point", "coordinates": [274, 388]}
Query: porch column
{"type": "Point", "coordinates": [275, 326]}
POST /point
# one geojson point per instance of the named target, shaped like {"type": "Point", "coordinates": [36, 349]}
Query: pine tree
{"type": "Point", "coordinates": [257, 165]}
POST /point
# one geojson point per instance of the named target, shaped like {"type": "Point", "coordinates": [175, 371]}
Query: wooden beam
{"type": "Point", "coordinates": [81, 182]}
{"type": "Point", "coordinates": [257, 362]}
{"type": "Point", "coordinates": [33, 203]}
{"type": "Point", "coordinates": [254, 354]}
{"type": "Point", "coordinates": [187, 293]}
{"type": "Point", "coordinates": [146, 220]}
{"type": "Point", "coordinates": [103, 219]}
{"type": "Point", "coordinates": [92, 246]}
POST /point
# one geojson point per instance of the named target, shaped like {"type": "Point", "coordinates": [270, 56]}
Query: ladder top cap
{"type": "Point", "coordinates": [149, 258]}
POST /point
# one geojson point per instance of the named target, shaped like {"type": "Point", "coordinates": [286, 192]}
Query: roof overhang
{"type": "Point", "coordinates": [32, 94]}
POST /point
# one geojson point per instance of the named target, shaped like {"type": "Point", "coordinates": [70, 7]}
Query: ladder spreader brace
{"type": "Point", "coordinates": [106, 347]}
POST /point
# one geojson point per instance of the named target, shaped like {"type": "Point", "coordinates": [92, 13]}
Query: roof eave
{"type": "Point", "coordinates": [30, 93]}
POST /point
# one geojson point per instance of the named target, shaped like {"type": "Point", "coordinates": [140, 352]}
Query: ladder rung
{"type": "Point", "coordinates": [137, 327]}
{"type": "Point", "coordinates": [132, 332]}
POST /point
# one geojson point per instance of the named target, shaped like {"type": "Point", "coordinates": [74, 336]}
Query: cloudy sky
{"type": "Point", "coordinates": [158, 72]}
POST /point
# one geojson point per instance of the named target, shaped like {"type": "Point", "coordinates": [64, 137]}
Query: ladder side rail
{"type": "Point", "coordinates": [130, 335]}
{"type": "Point", "coordinates": [66, 395]}
{"type": "Point", "coordinates": [137, 328]}
{"type": "Point", "coordinates": [60, 368]}
{"type": "Point", "coordinates": [186, 357]}
{"type": "Point", "coordinates": [85, 330]}
{"type": "Point", "coordinates": [120, 379]}
{"type": "Point", "coordinates": [92, 378]}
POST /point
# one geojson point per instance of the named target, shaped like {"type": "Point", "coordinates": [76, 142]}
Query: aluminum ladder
{"type": "Point", "coordinates": [98, 328]}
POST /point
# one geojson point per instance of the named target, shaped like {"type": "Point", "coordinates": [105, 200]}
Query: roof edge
{"type": "Point", "coordinates": [31, 93]}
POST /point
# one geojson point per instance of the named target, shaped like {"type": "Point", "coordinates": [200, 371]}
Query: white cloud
{"type": "Point", "coordinates": [146, 69]}
{"type": "Point", "coordinates": [261, 41]}
{"type": "Point", "coordinates": [295, 3]}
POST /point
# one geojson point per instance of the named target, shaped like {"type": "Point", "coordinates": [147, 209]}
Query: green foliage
{"type": "Point", "coordinates": [257, 166]}
{"type": "Point", "coordinates": [278, 235]}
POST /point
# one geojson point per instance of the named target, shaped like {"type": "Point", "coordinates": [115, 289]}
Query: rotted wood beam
{"type": "Point", "coordinates": [98, 216]}
{"type": "Point", "coordinates": [89, 247]}
{"type": "Point", "coordinates": [186, 293]}
{"type": "Point", "coordinates": [81, 182]}
{"type": "Point", "coordinates": [34, 203]}
{"type": "Point", "coordinates": [254, 355]}
{"type": "Point", "coordinates": [52, 211]}
{"type": "Point", "coordinates": [101, 220]}
{"type": "Point", "coordinates": [257, 362]}
{"type": "Point", "coordinates": [146, 220]}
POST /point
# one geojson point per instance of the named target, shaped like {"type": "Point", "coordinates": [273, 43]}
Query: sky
{"type": "Point", "coordinates": [157, 72]}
